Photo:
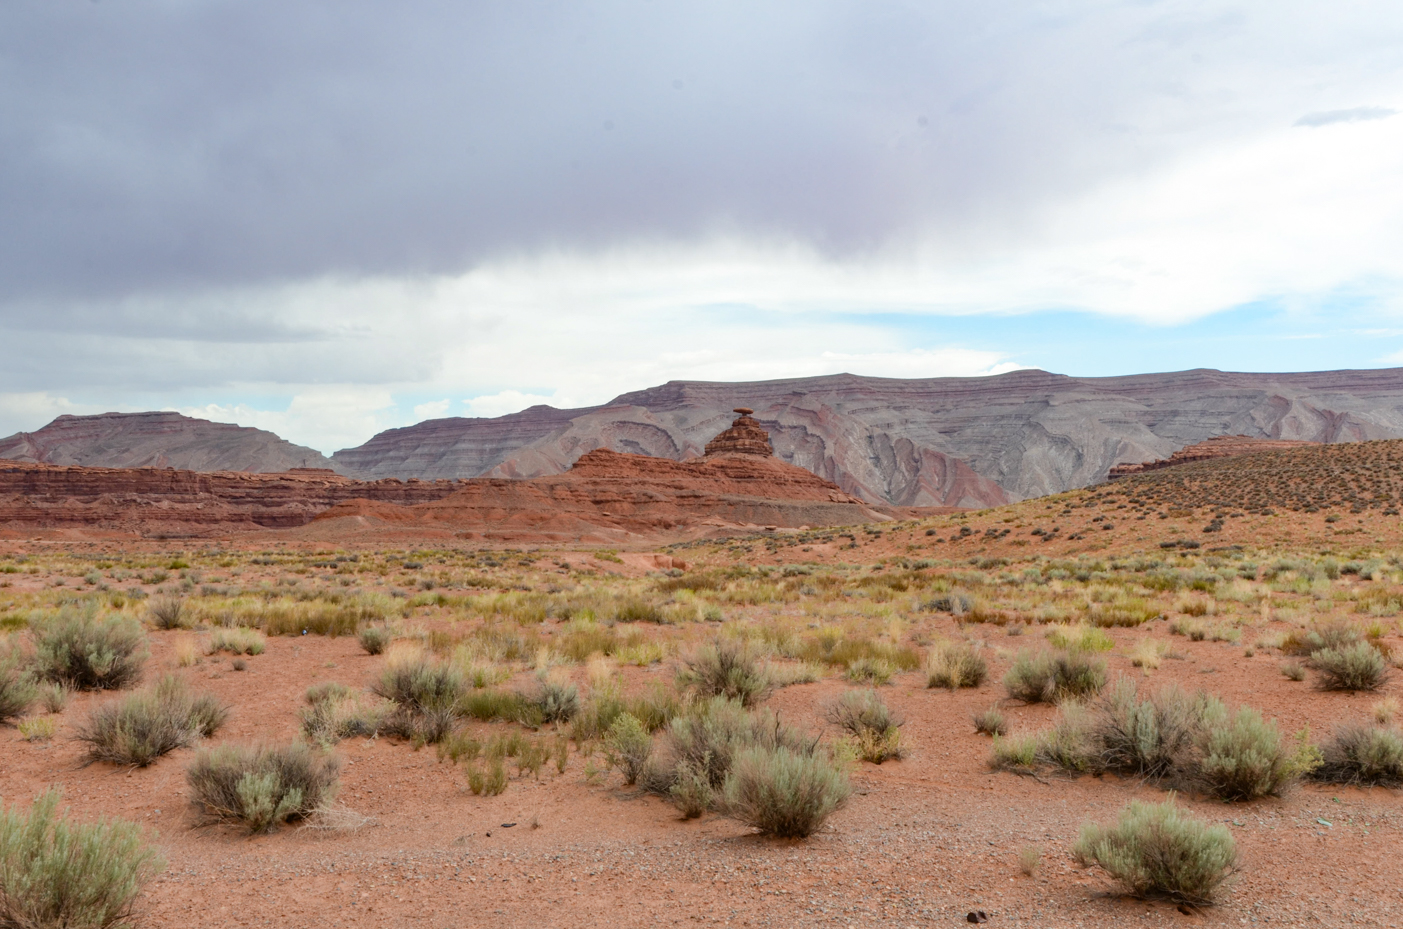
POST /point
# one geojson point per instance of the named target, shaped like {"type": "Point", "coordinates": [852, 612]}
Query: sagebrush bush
{"type": "Point", "coordinates": [874, 728]}
{"type": "Point", "coordinates": [375, 639]}
{"type": "Point", "coordinates": [1051, 677]}
{"type": "Point", "coordinates": [141, 727]}
{"type": "Point", "coordinates": [872, 671]}
{"type": "Point", "coordinates": [1350, 667]}
{"type": "Point", "coordinates": [1157, 850]}
{"type": "Point", "coordinates": [167, 612]}
{"type": "Point", "coordinates": [237, 640]}
{"type": "Point", "coordinates": [954, 665]}
{"type": "Point", "coordinates": [58, 873]}
{"type": "Point", "coordinates": [87, 652]}
{"type": "Point", "coordinates": [628, 746]}
{"type": "Point", "coordinates": [1153, 738]}
{"type": "Point", "coordinates": [783, 792]}
{"type": "Point", "coordinates": [17, 687]}
{"type": "Point", "coordinates": [334, 713]}
{"type": "Point", "coordinates": [705, 741]}
{"type": "Point", "coordinates": [263, 787]}
{"type": "Point", "coordinates": [990, 721]}
{"type": "Point", "coordinates": [1244, 756]}
{"type": "Point", "coordinates": [726, 668]}
{"type": "Point", "coordinates": [426, 695]}
{"type": "Point", "coordinates": [1362, 755]}
{"type": "Point", "coordinates": [54, 696]}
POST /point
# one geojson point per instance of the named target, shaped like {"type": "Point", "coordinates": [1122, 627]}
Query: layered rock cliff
{"type": "Point", "coordinates": [165, 501]}
{"type": "Point", "coordinates": [933, 442]}
{"type": "Point", "coordinates": [158, 440]}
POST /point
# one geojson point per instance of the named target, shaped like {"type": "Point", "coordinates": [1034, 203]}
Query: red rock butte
{"type": "Point", "coordinates": [745, 437]}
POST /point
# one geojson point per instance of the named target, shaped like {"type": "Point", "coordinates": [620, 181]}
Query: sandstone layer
{"type": "Point", "coordinates": [167, 502]}
{"type": "Point", "coordinates": [938, 441]}
{"type": "Point", "coordinates": [612, 495]}
{"type": "Point", "coordinates": [158, 440]}
{"type": "Point", "coordinates": [1223, 446]}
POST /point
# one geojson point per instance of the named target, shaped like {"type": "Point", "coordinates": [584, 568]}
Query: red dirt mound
{"type": "Point", "coordinates": [1222, 446]}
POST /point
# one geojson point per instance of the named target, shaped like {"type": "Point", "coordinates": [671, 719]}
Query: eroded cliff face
{"type": "Point", "coordinates": [166, 501]}
{"type": "Point", "coordinates": [158, 440]}
{"type": "Point", "coordinates": [929, 442]}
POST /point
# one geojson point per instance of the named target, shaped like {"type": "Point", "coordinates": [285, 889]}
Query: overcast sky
{"type": "Point", "coordinates": [328, 219]}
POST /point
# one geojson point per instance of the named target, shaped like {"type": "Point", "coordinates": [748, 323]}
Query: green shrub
{"type": "Point", "coordinates": [17, 687]}
{"type": "Point", "coordinates": [375, 639]}
{"type": "Point", "coordinates": [141, 727]}
{"type": "Point", "coordinates": [333, 713]}
{"type": "Point", "coordinates": [1293, 670]}
{"type": "Point", "coordinates": [990, 721]}
{"type": "Point", "coordinates": [726, 668]}
{"type": "Point", "coordinates": [426, 695]}
{"type": "Point", "coordinates": [262, 787]}
{"type": "Point", "coordinates": [85, 652]}
{"type": "Point", "coordinates": [490, 779]}
{"type": "Point", "coordinates": [1155, 850]}
{"type": "Point", "coordinates": [1080, 638]}
{"type": "Point", "coordinates": [489, 705]}
{"type": "Point", "coordinates": [874, 728]}
{"type": "Point", "coordinates": [558, 701]}
{"type": "Point", "coordinates": [54, 696]}
{"type": "Point", "coordinates": [691, 790]}
{"type": "Point", "coordinates": [167, 612]}
{"type": "Point", "coordinates": [954, 665]}
{"type": "Point", "coordinates": [628, 746]}
{"type": "Point", "coordinates": [1350, 667]}
{"type": "Point", "coordinates": [237, 641]}
{"type": "Point", "coordinates": [871, 671]}
{"type": "Point", "coordinates": [783, 792]}
{"type": "Point", "coordinates": [1245, 757]}
{"type": "Point", "coordinates": [707, 738]}
{"type": "Point", "coordinates": [58, 873]}
{"type": "Point", "coordinates": [1153, 738]}
{"type": "Point", "coordinates": [1362, 755]}
{"type": "Point", "coordinates": [1051, 677]}
{"type": "Point", "coordinates": [637, 610]}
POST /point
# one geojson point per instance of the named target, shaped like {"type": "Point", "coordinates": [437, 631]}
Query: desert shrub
{"type": "Point", "coordinates": [1362, 755]}
{"type": "Point", "coordinates": [691, 790]}
{"type": "Point", "coordinates": [1052, 677]}
{"type": "Point", "coordinates": [375, 639]}
{"type": "Point", "coordinates": [1334, 635]}
{"type": "Point", "coordinates": [783, 792]}
{"type": "Point", "coordinates": [262, 787]}
{"type": "Point", "coordinates": [1156, 850]}
{"type": "Point", "coordinates": [873, 671]}
{"type": "Point", "coordinates": [141, 727]}
{"type": "Point", "coordinates": [558, 701]}
{"type": "Point", "coordinates": [1126, 611]}
{"type": "Point", "coordinates": [726, 668]}
{"type": "Point", "coordinates": [17, 687]}
{"type": "Point", "coordinates": [85, 652]}
{"type": "Point", "coordinates": [1244, 757]}
{"type": "Point", "coordinates": [489, 779]}
{"type": "Point", "coordinates": [955, 665]}
{"type": "Point", "coordinates": [638, 610]}
{"type": "Point", "coordinates": [874, 728]}
{"type": "Point", "coordinates": [54, 696]}
{"type": "Point", "coordinates": [58, 873]}
{"type": "Point", "coordinates": [990, 721]}
{"type": "Point", "coordinates": [1350, 667]}
{"type": "Point", "coordinates": [167, 612]}
{"type": "Point", "coordinates": [628, 747]}
{"type": "Point", "coordinates": [705, 740]}
{"type": "Point", "coordinates": [654, 708]}
{"type": "Point", "coordinates": [1293, 670]}
{"type": "Point", "coordinates": [426, 695]}
{"type": "Point", "coordinates": [333, 713]}
{"type": "Point", "coordinates": [38, 729]}
{"type": "Point", "coordinates": [237, 641]}
{"type": "Point", "coordinates": [1154, 737]}
{"type": "Point", "coordinates": [489, 705]}
{"type": "Point", "coordinates": [1080, 638]}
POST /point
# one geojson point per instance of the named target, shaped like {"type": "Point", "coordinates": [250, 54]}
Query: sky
{"type": "Point", "coordinates": [331, 219]}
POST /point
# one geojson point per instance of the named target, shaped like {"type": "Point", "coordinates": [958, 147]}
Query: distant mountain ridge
{"type": "Point", "coordinates": [159, 440]}
{"type": "Point", "coordinates": [974, 441]}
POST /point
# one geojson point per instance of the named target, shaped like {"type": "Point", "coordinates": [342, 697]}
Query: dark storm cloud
{"type": "Point", "coordinates": [153, 146]}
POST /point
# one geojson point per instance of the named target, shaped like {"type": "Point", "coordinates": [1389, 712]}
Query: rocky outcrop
{"type": "Point", "coordinates": [159, 440]}
{"type": "Point", "coordinates": [745, 437]}
{"type": "Point", "coordinates": [165, 501]}
{"type": "Point", "coordinates": [610, 496]}
{"type": "Point", "coordinates": [1223, 446]}
{"type": "Point", "coordinates": [935, 442]}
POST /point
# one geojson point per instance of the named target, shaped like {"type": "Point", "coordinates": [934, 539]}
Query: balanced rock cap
{"type": "Point", "coordinates": [745, 437]}
{"type": "Point", "coordinates": [743, 410]}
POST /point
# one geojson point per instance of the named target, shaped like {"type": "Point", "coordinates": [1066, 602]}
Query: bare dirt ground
{"type": "Point", "coordinates": [923, 841]}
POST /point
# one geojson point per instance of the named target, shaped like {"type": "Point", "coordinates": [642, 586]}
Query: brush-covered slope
{"type": "Point", "coordinates": [160, 440]}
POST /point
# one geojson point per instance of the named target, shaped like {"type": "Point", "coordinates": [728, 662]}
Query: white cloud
{"type": "Point", "coordinates": [324, 417]}
{"type": "Point", "coordinates": [27, 412]}
{"type": "Point", "coordinates": [433, 410]}
{"type": "Point", "coordinates": [509, 401]}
